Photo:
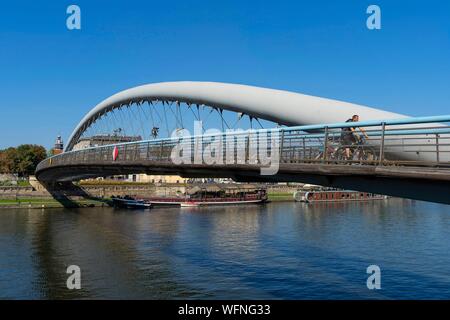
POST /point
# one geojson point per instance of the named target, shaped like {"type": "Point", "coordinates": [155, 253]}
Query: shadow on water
{"type": "Point", "coordinates": [63, 192]}
{"type": "Point", "coordinates": [50, 265]}
{"type": "Point", "coordinates": [106, 244]}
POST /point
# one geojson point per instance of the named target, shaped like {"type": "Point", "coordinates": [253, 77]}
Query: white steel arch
{"type": "Point", "coordinates": [284, 107]}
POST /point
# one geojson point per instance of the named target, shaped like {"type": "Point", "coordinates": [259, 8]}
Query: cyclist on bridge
{"type": "Point", "coordinates": [155, 132]}
{"type": "Point", "coordinates": [349, 136]}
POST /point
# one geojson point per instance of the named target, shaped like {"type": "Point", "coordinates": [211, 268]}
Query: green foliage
{"type": "Point", "coordinates": [6, 184]}
{"type": "Point", "coordinates": [22, 160]}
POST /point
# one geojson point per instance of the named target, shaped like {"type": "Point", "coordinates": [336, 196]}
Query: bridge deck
{"type": "Point", "coordinates": [412, 162]}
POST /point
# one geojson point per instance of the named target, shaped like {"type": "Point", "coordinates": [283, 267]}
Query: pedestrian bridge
{"type": "Point", "coordinates": [311, 154]}
{"type": "Point", "coordinates": [401, 156]}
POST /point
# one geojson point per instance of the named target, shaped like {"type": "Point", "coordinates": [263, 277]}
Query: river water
{"type": "Point", "coordinates": [273, 251]}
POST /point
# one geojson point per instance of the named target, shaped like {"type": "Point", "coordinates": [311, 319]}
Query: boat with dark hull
{"type": "Point", "coordinates": [130, 203]}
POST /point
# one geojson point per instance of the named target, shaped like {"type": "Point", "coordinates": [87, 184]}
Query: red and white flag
{"type": "Point", "coordinates": [115, 153]}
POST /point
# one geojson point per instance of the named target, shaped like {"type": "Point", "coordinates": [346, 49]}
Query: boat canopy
{"type": "Point", "coordinates": [232, 188]}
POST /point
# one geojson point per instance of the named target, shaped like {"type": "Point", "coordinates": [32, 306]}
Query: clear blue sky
{"type": "Point", "coordinates": [50, 76]}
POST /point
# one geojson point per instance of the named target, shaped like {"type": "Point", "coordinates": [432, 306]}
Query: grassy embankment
{"type": "Point", "coordinates": [47, 203]}
{"type": "Point", "coordinates": [52, 203]}
{"type": "Point", "coordinates": [20, 183]}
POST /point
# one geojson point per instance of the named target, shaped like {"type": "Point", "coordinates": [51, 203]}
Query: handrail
{"type": "Point", "coordinates": [380, 135]}
{"type": "Point", "coordinates": [372, 123]}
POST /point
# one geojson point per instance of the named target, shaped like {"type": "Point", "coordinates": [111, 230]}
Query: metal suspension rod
{"type": "Point", "coordinates": [174, 114]}
{"type": "Point", "coordinates": [122, 118]}
{"type": "Point", "coordinates": [156, 111]}
{"type": "Point", "coordinates": [131, 121]}
{"type": "Point", "coordinates": [259, 123]}
{"type": "Point", "coordinates": [139, 121]}
{"type": "Point", "coordinates": [167, 125]}
{"type": "Point", "coordinates": [209, 113]}
{"type": "Point", "coordinates": [196, 117]}
{"type": "Point", "coordinates": [179, 114]}
{"type": "Point", "coordinates": [223, 119]}
{"type": "Point", "coordinates": [145, 115]}
{"type": "Point", "coordinates": [116, 122]}
{"type": "Point", "coordinates": [150, 106]}
{"type": "Point", "coordinates": [237, 121]}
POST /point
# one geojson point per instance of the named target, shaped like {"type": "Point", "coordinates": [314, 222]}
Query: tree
{"type": "Point", "coordinates": [3, 168]}
{"type": "Point", "coordinates": [22, 160]}
{"type": "Point", "coordinates": [8, 160]}
{"type": "Point", "coordinates": [28, 157]}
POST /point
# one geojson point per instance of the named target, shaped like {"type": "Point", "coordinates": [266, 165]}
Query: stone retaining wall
{"type": "Point", "coordinates": [14, 192]}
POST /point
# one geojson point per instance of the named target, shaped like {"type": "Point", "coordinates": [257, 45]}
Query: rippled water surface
{"type": "Point", "coordinates": [273, 251]}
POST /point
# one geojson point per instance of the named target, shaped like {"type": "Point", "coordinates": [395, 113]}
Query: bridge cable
{"type": "Point", "coordinates": [196, 117]}
{"type": "Point", "coordinates": [210, 111]}
{"type": "Point", "coordinates": [150, 104]}
{"type": "Point", "coordinates": [95, 127]}
{"type": "Point", "coordinates": [167, 125]}
{"type": "Point", "coordinates": [104, 129]}
{"type": "Point", "coordinates": [259, 123]}
{"type": "Point", "coordinates": [181, 115]}
{"type": "Point", "coordinates": [198, 111]}
{"type": "Point", "coordinates": [178, 123]}
{"type": "Point", "coordinates": [192, 111]}
{"type": "Point", "coordinates": [131, 121]}
{"type": "Point", "coordinates": [176, 118]}
{"type": "Point", "coordinates": [240, 116]}
{"type": "Point", "coordinates": [223, 120]}
{"type": "Point", "coordinates": [156, 112]}
{"type": "Point", "coordinates": [108, 123]}
{"type": "Point", "coordinates": [138, 120]}
{"type": "Point", "coordinates": [152, 107]}
{"type": "Point", "coordinates": [122, 119]}
{"type": "Point", "coordinates": [145, 115]}
{"type": "Point", "coordinates": [117, 124]}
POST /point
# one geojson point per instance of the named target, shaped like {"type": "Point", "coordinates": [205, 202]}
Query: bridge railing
{"type": "Point", "coordinates": [410, 141]}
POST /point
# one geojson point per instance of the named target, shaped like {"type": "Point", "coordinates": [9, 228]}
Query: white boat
{"type": "Point", "coordinates": [335, 196]}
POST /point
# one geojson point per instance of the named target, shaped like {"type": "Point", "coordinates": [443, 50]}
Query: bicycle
{"type": "Point", "coordinates": [359, 151]}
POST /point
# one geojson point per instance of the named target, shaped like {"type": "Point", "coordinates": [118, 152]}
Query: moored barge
{"type": "Point", "coordinates": [336, 196]}
{"type": "Point", "coordinates": [214, 196]}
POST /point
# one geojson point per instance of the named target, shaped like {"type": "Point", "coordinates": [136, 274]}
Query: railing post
{"type": "Point", "coordinates": [304, 149]}
{"type": "Point", "coordinates": [247, 149]}
{"type": "Point", "coordinates": [383, 130]}
{"type": "Point", "coordinates": [437, 148]}
{"type": "Point", "coordinates": [325, 145]}
{"type": "Point", "coordinates": [291, 152]}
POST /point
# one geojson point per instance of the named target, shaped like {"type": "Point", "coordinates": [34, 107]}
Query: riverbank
{"type": "Point", "coordinates": [44, 203]}
{"type": "Point", "coordinates": [98, 194]}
